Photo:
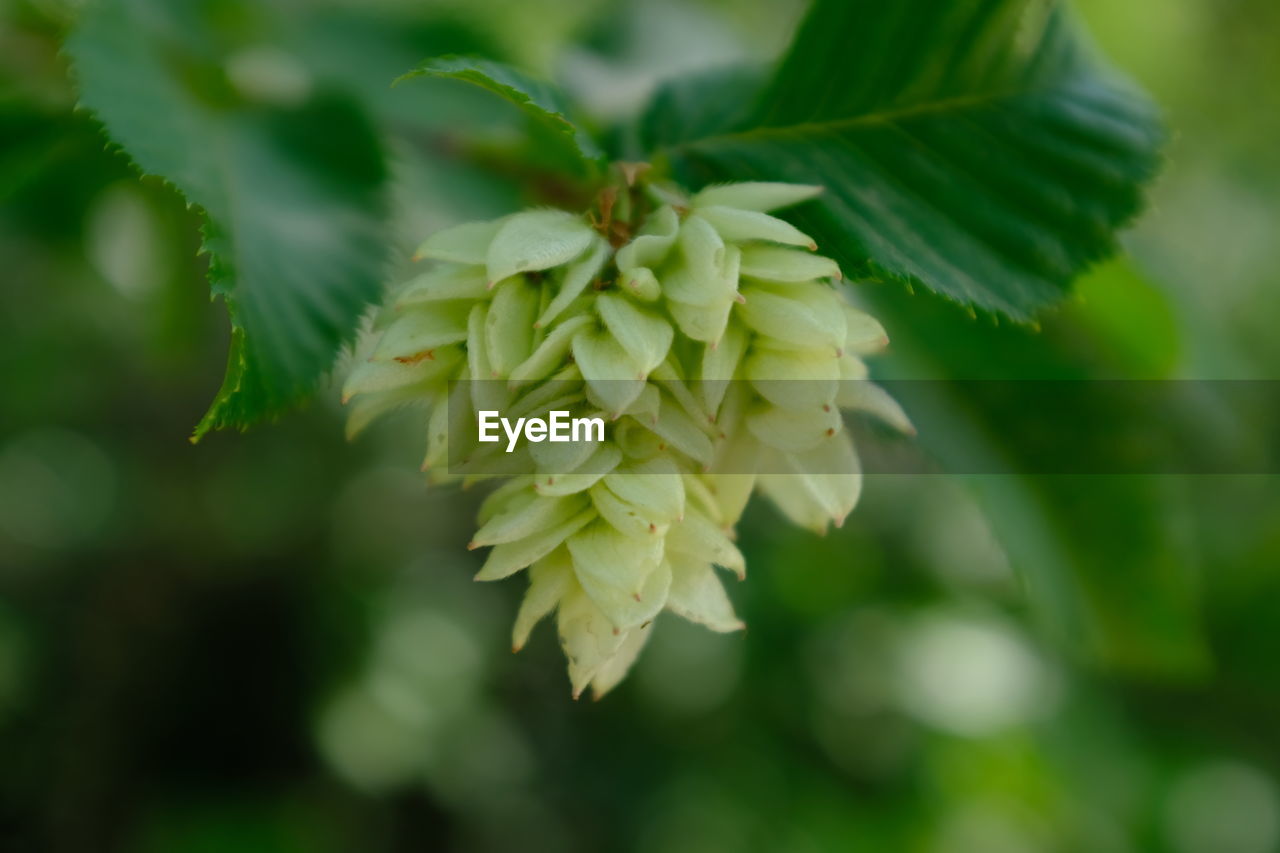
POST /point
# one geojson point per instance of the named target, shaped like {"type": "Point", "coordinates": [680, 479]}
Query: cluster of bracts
{"type": "Point", "coordinates": [717, 346]}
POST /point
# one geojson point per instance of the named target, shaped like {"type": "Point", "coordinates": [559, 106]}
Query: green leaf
{"type": "Point", "coordinates": [541, 101]}
{"type": "Point", "coordinates": [700, 106]}
{"type": "Point", "coordinates": [1105, 561]}
{"type": "Point", "coordinates": [291, 192]}
{"type": "Point", "coordinates": [971, 147]}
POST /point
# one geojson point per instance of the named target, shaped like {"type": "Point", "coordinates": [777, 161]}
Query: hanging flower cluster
{"type": "Point", "coordinates": [710, 338]}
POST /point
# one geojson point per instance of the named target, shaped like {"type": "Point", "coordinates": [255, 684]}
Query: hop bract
{"type": "Point", "coordinates": [644, 321]}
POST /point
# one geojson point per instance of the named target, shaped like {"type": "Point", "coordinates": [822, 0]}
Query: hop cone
{"type": "Point", "coordinates": [647, 308]}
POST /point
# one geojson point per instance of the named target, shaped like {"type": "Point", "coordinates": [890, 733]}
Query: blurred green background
{"type": "Point", "coordinates": [271, 642]}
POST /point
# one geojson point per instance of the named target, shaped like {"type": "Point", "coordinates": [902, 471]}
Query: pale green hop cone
{"type": "Point", "coordinates": [713, 341]}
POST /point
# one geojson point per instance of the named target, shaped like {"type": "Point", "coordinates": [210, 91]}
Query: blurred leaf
{"type": "Point", "coordinates": [362, 49]}
{"type": "Point", "coordinates": [1128, 318]}
{"type": "Point", "coordinates": [545, 104]}
{"type": "Point", "coordinates": [700, 106]}
{"type": "Point", "coordinates": [292, 193]}
{"type": "Point", "coordinates": [1104, 559]}
{"type": "Point", "coordinates": [973, 148]}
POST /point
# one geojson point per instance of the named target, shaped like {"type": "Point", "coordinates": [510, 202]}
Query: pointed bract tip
{"type": "Point", "coordinates": [471, 546]}
{"type": "Point", "coordinates": [632, 171]}
{"type": "Point", "coordinates": [739, 298]}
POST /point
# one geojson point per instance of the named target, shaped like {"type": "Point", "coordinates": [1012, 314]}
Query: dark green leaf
{"type": "Point", "coordinates": [541, 101]}
{"type": "Point", "coordinates": [292, 195]}
{"type": "Point", "coordinates": [972, 147]}
{"type": "Point", "coordinates": [703, 105]}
